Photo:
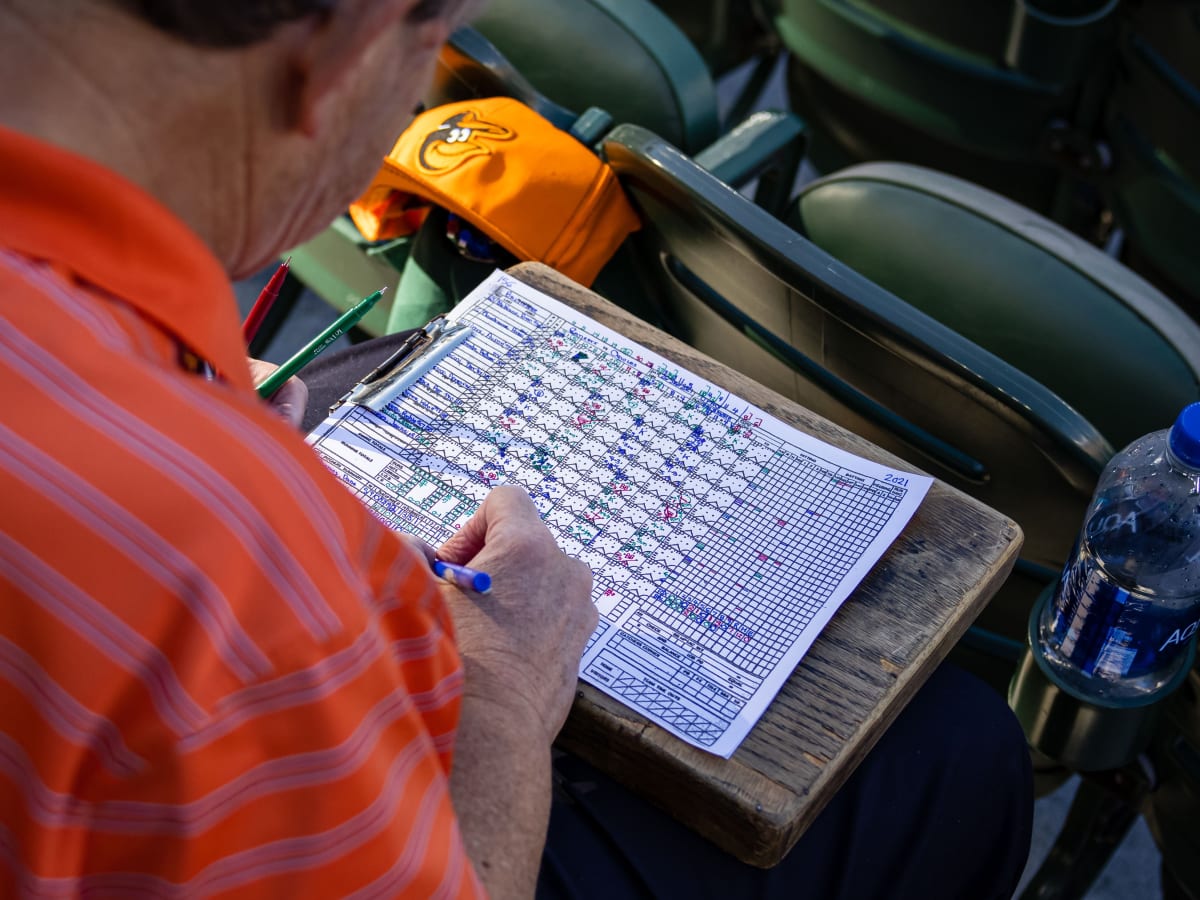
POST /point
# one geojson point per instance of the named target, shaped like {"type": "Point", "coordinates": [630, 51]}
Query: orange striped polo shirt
{"type": "Point", "coordinates": [219, 675]}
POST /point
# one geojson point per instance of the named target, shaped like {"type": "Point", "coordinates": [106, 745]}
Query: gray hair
{"type": "Point", "coordinates": [238, 23]}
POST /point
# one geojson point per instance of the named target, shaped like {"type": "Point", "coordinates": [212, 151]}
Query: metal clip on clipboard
{"type": "Point", "coordinates": [415, 357]}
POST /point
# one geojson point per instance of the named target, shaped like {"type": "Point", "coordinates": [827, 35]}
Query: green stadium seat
{"type": "Point", "coordinates": [624, 56]}
{"type": "Point", "coordinates": [1056, 307]}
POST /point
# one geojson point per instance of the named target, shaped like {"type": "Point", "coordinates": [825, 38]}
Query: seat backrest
{"type": "Point", "coordinates": [726, 32]}
{"type": "Point", "coordinates": [968, 88]}
{"type": "Point", "coordinates": [744, 288]}
{"type": "Point", "coordinates": [624, 56]}
{"type": "Point", "coordinates": [1039, 297]}
{"type": "Point", "coordinates": [470, 66]}
{"type": "Point", "coordinates": [1153, 126]}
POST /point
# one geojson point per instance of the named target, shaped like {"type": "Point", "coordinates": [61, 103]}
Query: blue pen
{"type": "Point", "coordinates": [463, 576]}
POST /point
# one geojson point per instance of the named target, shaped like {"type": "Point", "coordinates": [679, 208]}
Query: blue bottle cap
{"type": "Point", "coordinates": [1184, 439]}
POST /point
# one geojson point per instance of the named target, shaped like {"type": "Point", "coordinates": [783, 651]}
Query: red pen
{"type": "Point", "coordinates": [265, 299]}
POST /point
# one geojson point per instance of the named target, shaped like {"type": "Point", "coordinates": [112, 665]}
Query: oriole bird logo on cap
{"type": "Point", "coordinates": [461, 137]}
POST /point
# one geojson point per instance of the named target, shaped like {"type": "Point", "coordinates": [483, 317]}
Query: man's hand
{"type": "Point", "coordinates": [290, 400]}
{"type": "Point", "coordinates": [521, 644]}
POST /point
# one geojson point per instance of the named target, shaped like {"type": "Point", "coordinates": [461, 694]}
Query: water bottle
{"type": "Point", "coordinates": [1124, 615]}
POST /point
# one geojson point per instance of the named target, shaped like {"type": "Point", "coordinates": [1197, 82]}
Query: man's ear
{"type": "Point", "coordinates": [329, 48]}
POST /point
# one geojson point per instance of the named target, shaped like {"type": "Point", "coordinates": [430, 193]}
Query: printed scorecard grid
{"type": "Point", "coordinates": [720, 540]}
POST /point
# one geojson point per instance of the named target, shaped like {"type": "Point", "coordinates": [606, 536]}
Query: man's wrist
{"type": "Point", "coordinates": [489, 695]}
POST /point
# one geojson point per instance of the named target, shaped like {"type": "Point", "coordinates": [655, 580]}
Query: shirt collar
{"type": "Point", "coordinates": [66, 209]}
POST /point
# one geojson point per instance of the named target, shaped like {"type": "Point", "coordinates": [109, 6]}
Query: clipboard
{"type": "Point", "coordinates": [721, 539]}
{"type": "Point", "coordinates": [411, 361]}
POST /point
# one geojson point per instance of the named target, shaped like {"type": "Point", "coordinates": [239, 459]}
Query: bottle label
{"type": "Point", "coordinates": [1105, 630]}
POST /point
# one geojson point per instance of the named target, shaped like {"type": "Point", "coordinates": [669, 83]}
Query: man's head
{"type": "Point", "coordinates": [256, 120]}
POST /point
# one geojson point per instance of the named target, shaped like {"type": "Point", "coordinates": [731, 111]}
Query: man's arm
{"type": "Point", "coordinates": [520, 644]}
{"type": "Point", "coordinates": [500, 788]}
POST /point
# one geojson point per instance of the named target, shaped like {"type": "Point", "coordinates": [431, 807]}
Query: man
{"type": "Point", "coordinates": [220, 675]}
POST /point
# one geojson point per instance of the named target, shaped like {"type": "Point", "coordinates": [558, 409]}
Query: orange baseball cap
{"type": "Point", "coordinates": [529, 186]}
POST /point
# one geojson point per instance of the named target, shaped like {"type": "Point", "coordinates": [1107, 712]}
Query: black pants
{"type": "Point", "coordinates": [941, 808]}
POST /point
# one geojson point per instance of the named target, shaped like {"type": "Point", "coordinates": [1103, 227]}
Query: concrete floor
{"type": "Point", "coordinates": [1131, 874]}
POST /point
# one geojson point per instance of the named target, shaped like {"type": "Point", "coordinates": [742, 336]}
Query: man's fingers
{"type": "Point", "coordinates": [465, 544]}
{"type": "Point", "coordinates": [290, 400]}
{"type": "Point", "coordinates": [423, 548]}
{"type": "Point", "coordinates": [505, 507]}
{"type": "Point", "coordinates": [510, 503]}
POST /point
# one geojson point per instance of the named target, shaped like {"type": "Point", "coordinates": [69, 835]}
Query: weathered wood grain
{"type": "Point", "coordinates": [881, 645]}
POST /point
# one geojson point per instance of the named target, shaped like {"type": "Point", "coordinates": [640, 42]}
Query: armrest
{"type": "Point", "coordinates": [768, 146]}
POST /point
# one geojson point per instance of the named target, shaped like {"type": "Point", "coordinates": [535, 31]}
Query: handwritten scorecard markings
{"type": "Point", "coordinates": [721, 540]}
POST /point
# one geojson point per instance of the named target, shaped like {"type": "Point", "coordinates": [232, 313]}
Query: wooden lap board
{"type": "Point", "coordinates": [879, 648]}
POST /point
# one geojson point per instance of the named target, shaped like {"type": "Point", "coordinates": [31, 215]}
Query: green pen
{"type": "Point", "coordinates": [317, 345]}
